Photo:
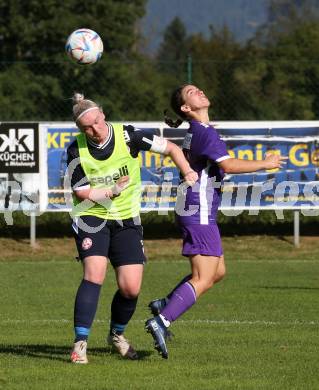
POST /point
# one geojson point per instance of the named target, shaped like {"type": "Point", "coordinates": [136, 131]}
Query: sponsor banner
{"type": "Point", "coordinates": [59, 136]}
{"type": "Point", "coordinates": [23, 178]}
{"type": "Point", "coordinates": [19, 148]}
{"type": "Point", "coordinates": [294, 186]}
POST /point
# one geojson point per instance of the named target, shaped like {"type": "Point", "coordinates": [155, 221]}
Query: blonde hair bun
{"type": "Point", "coordinates": [81, 105]}
{"type": "Point", "coordinates": [77, 97]}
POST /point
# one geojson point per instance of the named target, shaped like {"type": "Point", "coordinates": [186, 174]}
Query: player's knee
{"type": "Point", "coordinates": [205, 284]}
{"type": "Point", "coordinates": [130, 292]}
{"type": "Point", "coordinates": [220, 274]}
{"type": "Point", "coordinates": [209, 284]}
{"type": "Point", "coordinates": [94, 278]}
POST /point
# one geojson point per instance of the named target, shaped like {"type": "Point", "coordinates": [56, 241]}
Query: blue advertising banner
{"type": "Point", "coordinates": [58, 139]}
{"type": "Point", "coordinates": [295, 186]}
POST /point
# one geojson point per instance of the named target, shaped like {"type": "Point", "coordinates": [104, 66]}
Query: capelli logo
{"type": "Point", "coordinates": [17, 140]}
{"type": "Point", "coordinates": [109, 179]}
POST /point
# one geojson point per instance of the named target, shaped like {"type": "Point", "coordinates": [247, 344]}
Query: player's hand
{"type": "Point", "coordinates": [122, 183]}
{"type": "Point", "coordinates": [273, 161]}
{"type": "Point", "coordinates": [191, 178]}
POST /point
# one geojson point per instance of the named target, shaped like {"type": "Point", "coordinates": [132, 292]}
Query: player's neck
{"type": "Point", "coordinates": [104, 138]}
{"type": "Point", "coordinates": [201, 116]}
{"type": "Point", "coordinates": [105, 135]}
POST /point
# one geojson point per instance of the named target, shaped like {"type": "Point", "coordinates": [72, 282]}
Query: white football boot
{"type": "Point", "coordinates": [122, 346]}
{"type": "Point", "coordinates": [78, 354]}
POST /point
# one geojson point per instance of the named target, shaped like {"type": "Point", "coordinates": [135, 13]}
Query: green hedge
{"type": "Point", "coordinates": [163, 226]}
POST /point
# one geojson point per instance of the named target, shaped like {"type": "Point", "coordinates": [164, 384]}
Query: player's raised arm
{"type": "Point", "coordinates": [143, 140]}
{"type": "Point", "coordinates": [235, 165]}
{"type": "Point", "coordinates": [180, 161]}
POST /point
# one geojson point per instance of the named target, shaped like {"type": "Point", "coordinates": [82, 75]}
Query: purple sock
{"type": "Point", "coordinates": [182, 299]}
{"type": "Point", "coordinates": [185, 279]}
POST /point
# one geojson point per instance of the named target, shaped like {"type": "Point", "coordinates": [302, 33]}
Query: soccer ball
{"type": "Point", "coordinates": [84, 46]}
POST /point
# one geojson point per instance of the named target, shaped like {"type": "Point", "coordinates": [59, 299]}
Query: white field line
{"type": "Point", "coordinates": [182, 322]}
{"type": "Point", "coordinates": [34, 262]}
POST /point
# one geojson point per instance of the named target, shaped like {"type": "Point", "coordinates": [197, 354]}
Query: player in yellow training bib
{"type": "Point", "coordinates": [104, 171]}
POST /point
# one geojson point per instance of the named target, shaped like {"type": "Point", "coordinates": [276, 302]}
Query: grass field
{"type": "Point", "coordinates": [258, 329]}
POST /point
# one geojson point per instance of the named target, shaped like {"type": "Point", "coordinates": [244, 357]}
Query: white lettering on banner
{"type": "Point", "coordinates": [18, 140]}
{"type": "Point", "coordinates": [6, 156]}
{"type": "Point", "coordinates": [17, 148]}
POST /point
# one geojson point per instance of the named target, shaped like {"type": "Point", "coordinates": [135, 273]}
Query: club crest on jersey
{"type": "Point", "coordinates": [86, 243]}
{"type": "Point", "coordinates": [110, 179]}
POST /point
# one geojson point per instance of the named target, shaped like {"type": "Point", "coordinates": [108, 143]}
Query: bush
{"type": "Point", "coordinates": [52, 224]}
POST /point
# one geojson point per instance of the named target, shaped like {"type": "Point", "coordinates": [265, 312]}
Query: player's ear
{"type": "Point", "coordinates": [102, 113]}
{"type": "Point", "coordinates": [185, 108]}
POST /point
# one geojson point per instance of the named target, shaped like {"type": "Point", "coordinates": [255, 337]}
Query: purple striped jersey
{"type": "Point", "coordinates": [203, 149]}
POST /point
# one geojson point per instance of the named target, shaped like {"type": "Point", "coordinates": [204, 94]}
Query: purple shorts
{"type": "Point", "coordinates": [201, 240]}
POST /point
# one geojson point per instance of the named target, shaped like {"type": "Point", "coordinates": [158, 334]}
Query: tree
{"type": "Point", "coordinates": [214, 64]}
{"type": "Point", "coordinates": [172, 54]}
{"type": "Point", "coordinates": [30, 31]}
{"type": "Point", "coordinates": [26, 97]}
{"type": "Point", "coordinates": [34, 35]}
{"type": "Point", "coordinates": [280, 78]}
{"type": "Point", "coordinates": [284, 15]}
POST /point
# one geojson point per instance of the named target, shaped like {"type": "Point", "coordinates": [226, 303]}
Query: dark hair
{"type": "Point", "coordinates": [170, 122]}
{"type": "Point", "coordinates": [176, 103]}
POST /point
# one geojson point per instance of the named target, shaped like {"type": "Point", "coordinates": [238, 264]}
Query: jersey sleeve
{"type": "Point", "coordinates": [138, 139]}
{"type": "Point", "coordinates": [214, 148]}
{"type": "Point", "coordinates": [75, 171]}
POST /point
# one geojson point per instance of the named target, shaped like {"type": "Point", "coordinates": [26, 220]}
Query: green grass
{"type": "Point", "coordinates": [258, 329]}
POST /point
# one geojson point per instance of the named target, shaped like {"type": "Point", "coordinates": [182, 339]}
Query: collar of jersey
{"type": "Point", "coordinates": [107, 141]}
{"type": "Point", "coordinates": [201, 123]}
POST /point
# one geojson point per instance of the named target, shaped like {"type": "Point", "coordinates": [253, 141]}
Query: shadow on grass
{"type": "Point", "coordinates": [60, 353]}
